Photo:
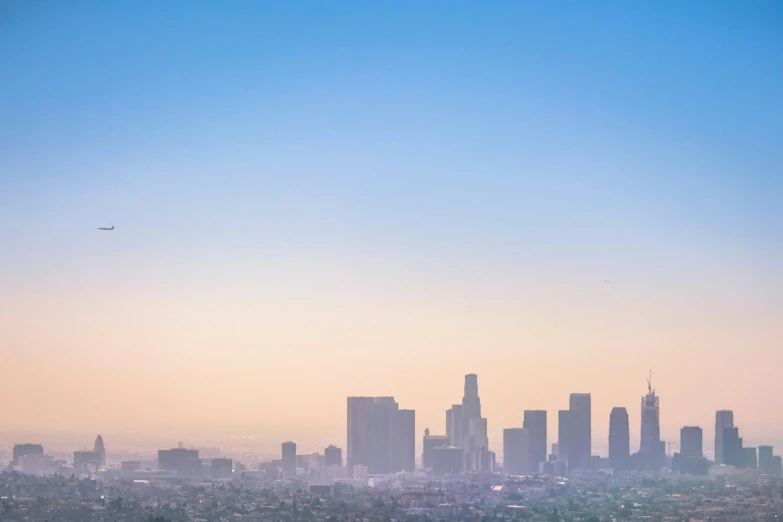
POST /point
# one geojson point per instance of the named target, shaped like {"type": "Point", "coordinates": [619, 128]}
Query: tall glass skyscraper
{"type": "Point", "coordinates": [619, 439]}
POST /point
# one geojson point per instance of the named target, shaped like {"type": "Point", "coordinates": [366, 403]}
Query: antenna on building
{"type": "Point", "coordinates": [649, 384]}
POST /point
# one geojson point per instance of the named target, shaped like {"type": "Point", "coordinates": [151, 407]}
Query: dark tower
{"type": "Point", "coordinates": [100, 450]}
{"type": "Point", "coordinates": [535, 423]}
{"type": "Point", "coordinates": [619, 439]}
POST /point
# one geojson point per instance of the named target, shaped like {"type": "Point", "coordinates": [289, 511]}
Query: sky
{"type": "Point", "coordinates": [321, 199]}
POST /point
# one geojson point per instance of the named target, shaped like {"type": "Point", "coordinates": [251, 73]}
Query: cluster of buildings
{"type": "Point", "coordinates": [381, 442]}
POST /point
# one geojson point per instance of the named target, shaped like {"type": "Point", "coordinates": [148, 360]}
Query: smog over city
{"type": "Point", "coordinates": [396, 261]}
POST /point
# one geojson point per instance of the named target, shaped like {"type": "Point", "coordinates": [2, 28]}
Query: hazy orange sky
{"type": "Point", "coordinates": [311, 205]}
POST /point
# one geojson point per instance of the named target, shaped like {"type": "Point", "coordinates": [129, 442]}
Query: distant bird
{"type": "Point", "coordinates": [106, 228]}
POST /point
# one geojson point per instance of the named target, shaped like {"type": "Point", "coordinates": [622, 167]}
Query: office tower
{"type": "Point", "coordinates": [359, 411]}
{"type": "Point", "coordinates": [619, 439]}
{"type": "Point", "coordinates": [221, 468]}
{"type": "Point", "coordinates": [534, 422]}
{"type": "Point", "coordinates": [380, 435]}
{"type": "Point", "coordinates": [383, 436]}
{"type": "Point", "coordinates": [458, 417]}
{"type": "Point", "coordinates": [581, 427]}
{"type": "Point", "coordinates": [333, 456]}
{"type": "Point", "coordinates": [765, 459]}
{"type": "Point", "coordinates": [776, 466]}
{"type": "Point", "coordinates": [650, 440]}
{"type": "Point", "coordinates": [748, 459]}
{"type": "Point", "coordinates": [477, 433]}
{"type": "Point", "coordinates": [448, 459]}
{"type": "Point", "coordinates": [22, 450]}
{"type": "Point", "coordinates": [454, 425]}
{"type": "Point", "coordinates": [289, 459]}
{"type": "Point", "coordinates": [731, 446]}
{"type": "Point", "coordinates": [184, 461]}
{"type": "Point", "coordinates": [99, 448]}
{"type": "Point", "coordinates": [405, 441]}
{"type": "Point", "coordinates": [429, 444]}
{"type": "Point", "coordinates": [691, 442]}
{"type": "Point", "coordinates": [516, 451]}
{"type": "Point", "coordinates": [565, 435]}
{"type": "Point", "coordinates": [471, 404]}
{"type": "Point", "coordinates": [723, 419]}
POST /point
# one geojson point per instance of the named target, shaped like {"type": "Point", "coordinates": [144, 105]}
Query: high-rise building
{"type": "Point", "coordinates": [731, 443]}
{"type": "Point", "coordinates": [776, 466]}
{"type": "Point", "coordinates": [723, 419]}
{"type": "Point", "coordinates": [516, 451]}
{"type": "Point", "coordinates": [22, 450]}
{"type": "Point", "coordinates": [765, 459]}
{"type": "Point", "coordinates": [650, 441]}
{"type": "Point", "coordinates": [534, 422]}
{"type": "Point", "coordinates": [581, 421]}
{"type": "Point", "coordinates": [565, 435]}
{"type": "Point", "coordinates": [380, 435]}
{"type": "Point", "coordinates": [429, 443]}
{"type": "Point", "coordinates": [448, 459]}
{"type": "Point", "coordinates": [619, 439]}
{"type": "Point", "coordinates": [100, 449]}
{"type": "Point", "coordinates": [333, 456]}
{"type": "Point", "coordinates": [454, 424]}
{"type": "Point", "coordinates": [459, 416]}
{"type": "Point", "coordinates": [289, 459]}
{"type": "Point", "coordinates": [405, 441]}
{"type": "Point", "coordinates": [748, 458]}
{"type": "Point", "coordinates": [471, 403]}
{"type": "Point", "coordinates": [691, 442]}
{"type": "Point", "coordinates": [359, 433]}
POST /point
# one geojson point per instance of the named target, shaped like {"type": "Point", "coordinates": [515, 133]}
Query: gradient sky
{"type": "Point", "coordinates": [322, 199]}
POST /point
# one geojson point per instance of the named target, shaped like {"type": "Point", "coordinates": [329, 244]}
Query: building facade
{"type": "Point", "coordinates": [619, 439]}
{"type": "Point", "coordinates": [516, 451]}
{"type": "Point", "coordinates": [534, 421]}
{"type": "Point", "coordinates": [723, 419]}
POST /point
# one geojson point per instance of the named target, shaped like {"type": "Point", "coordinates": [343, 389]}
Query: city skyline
{"type": "Point", "coordinates": [537, 432]}
{"type": "Point", "coordinates": [318, 202]}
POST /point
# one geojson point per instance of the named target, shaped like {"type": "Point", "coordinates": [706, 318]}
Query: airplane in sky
{"type": "Point", "coordinates": [106, 228]}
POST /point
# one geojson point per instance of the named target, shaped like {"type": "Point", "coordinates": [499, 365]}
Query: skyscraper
{"type": "Point", "coordinates": [405, 441]}
{"type": "Point", "coordinates": [516, 450]}
{"type": "Point", "coordinates": [359, 412]}
{"type": "Point", "coordinates": [581, 427]}
{"type": "Point", "coordinates": [289, 459]}
{"type": "Point", "coordinates": [765, 459]}
{"type": "Point", "coordinates": [535, 423]}
{"type": "Point", "coordinates": [565, 435]}
{"type": "Point", "coordinates": [100, 450]}
{"type": "Point", "coordinates": [454, 425]}
{"type": "Point", "coordinates": [333, 456]}
{"type": "Point", "coordinates": [723, 419]}
{"type": "Point", "coordinates": [458, 417]}
{"type": "Point", "coordinates": [380, 435]}
{"type": "Point", "coordinates": [650, 441]}
{"type": "Point", "coordinates": [619, 439]}
{"type": "Point", "coordinates": [691, 442]}
{"type": "Point", "coordinates": [731, 444]}
{"type": "Point", "coordinates": [467, 428]}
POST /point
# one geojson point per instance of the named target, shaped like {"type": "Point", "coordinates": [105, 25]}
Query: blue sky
{"type": "Point", "coordinates": [459, 143]}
